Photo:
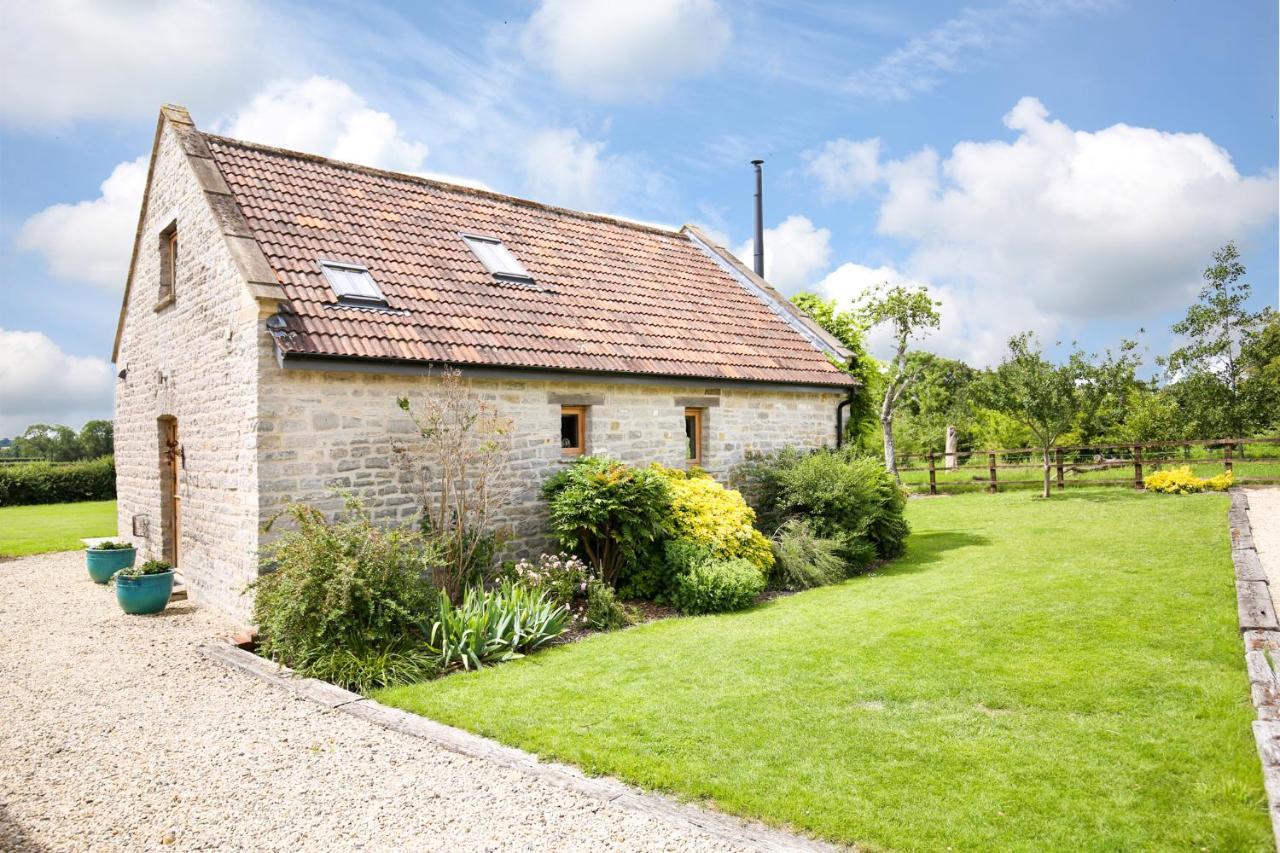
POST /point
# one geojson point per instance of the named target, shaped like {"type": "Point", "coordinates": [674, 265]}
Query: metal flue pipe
{"type": "Point", "coordinates": [759, 217]}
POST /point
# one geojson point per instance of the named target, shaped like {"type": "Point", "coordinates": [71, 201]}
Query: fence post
{"type": "Point", "coordinates": [991, 462]}
{"type": "Point", "coordinates": [933, 476]}
{"type": "Point", "coordinates": [1062, 482]}
{"type": "Point", "coordinates": [1226, 456]}
{"type": "Point", "coordinates": [1137, 466]}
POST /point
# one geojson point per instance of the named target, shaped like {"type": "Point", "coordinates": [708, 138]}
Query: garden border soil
{"type": "Point", "coordinates": [1261, 633]}
{"type": "Point", "coordinates": [609, 790]}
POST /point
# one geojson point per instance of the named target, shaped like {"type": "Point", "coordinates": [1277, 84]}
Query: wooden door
{"type": "Point", "coordinates": [173, 459]}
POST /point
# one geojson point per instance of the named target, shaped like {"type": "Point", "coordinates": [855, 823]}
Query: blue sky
{"type": "Point", "coordinates": [1058, 165]}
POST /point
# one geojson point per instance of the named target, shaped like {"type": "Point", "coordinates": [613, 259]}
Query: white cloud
{"type": "Point", "coordinates": [846, 168]}
{"type": "Point", "coordinates": [613, 50]}
{"type": "Point", "coordinates": [90, 241]}
{"type": "Point", "coordinates": [563, 167]}
{"type": "Point", "coordinates": [917, 66]}
{"type": "Point", "coordinates": [324, 116]}
{"type": "Point", "coordinates": [39, 383]}
{"type": "Point", "coordinates": [65, 60]}
{"type": "Point", "coordinates": [1080, 223]}
{"type": "Point", "coordinates": [1058, 226]}
{"type": "Point", "coordinates": [795, 252]}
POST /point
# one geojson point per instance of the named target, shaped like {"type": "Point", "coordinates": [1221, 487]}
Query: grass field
{"type": "Point", "coordinates": [53, 527]}
{"type": "Point", "coordinates": [1062, 674]}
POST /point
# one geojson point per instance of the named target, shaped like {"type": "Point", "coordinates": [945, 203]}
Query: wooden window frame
{"type": "Point", "coordinates": [169, 249]}
{"type": "Point", "coordinates": [581, 412]}
{"type": "Point", "coordinates": [699, 450]}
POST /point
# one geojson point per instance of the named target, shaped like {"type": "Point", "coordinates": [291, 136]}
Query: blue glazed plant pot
{"type": "Point", "coordinates": [104, 564]}
{"type": "Point", "coordinates": [146, 594]}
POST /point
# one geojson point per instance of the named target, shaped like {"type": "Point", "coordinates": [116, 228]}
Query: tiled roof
{"type": "Point", "coordinates": [610, 295]}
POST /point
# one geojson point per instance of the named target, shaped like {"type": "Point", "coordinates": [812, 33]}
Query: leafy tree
{"type": "Point", "coordinates": [54, 442]}
{"type": "Point", "coordinates": [1045, 397]}
{"type": "Point", "coordinates": [845, 327]}
{"type": "Point", "coordinates": [938, 399]}
{"type": "Point", "coordinates": [1209, 367]}
{"type": "Point", "coordinates": [1152, 415]}
{"type": "Point", "coordinates": [1260, 384]}
{"type": "Point", "coordinates": [97, 439]}
{"type": "Point", "coordinates": [909, 313]}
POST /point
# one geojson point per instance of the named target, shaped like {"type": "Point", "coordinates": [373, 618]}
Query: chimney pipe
{"type": "Point", "coordinates": [759, 217]}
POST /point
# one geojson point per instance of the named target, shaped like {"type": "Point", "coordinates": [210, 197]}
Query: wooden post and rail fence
{"type": "Point", "coordinates": [1083, 461]}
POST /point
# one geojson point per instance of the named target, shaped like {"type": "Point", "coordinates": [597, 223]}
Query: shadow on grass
{"type": "Point", "coordinates": [926, 548]}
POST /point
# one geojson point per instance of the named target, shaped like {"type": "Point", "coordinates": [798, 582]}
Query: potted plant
{"type": "Point", "coordinates": [107, 558]}
{"type": "Point", "coordinates": [144, 589]}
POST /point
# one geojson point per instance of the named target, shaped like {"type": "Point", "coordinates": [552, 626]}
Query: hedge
{"type": "Point", "coordinates": [45, 483]}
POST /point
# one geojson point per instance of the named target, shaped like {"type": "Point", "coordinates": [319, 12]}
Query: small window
{"type": "Point", "coordinates": [353, 284]}
{"type": "Point", "coordinates": [168, 262]}
{"type": "Point", "coordinates": [693, 435]}
{"type": "Point", "coordinates": [573, 430]}
{"type": "Point", "coordinates": [496, 258]}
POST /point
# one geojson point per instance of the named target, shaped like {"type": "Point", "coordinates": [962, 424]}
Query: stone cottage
{"type": "Point", "coordinates": [278, 303]}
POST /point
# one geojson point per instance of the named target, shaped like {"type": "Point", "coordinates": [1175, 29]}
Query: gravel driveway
{"type": "Point", "coordinates": [115, 734]}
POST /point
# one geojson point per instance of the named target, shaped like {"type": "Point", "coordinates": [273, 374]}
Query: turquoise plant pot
{"type": "Point", "coordinates": [104, 564]}
{"type": "Point", "coordinates": [146, 594]}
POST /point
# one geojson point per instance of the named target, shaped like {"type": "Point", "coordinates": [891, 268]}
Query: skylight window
{"type": "Point", "coordinates": [353, 284]}
{"type": "Point", "coordinates": [497, 258]}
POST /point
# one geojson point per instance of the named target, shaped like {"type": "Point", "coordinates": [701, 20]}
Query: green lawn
{"type": "Point", "coordinates": [1033, 675]}
{"type": "Point", "coordinates": [53, 527]}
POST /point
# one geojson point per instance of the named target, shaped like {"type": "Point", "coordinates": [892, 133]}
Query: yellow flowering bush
{"type": "Point", "coordinates": [705, 512]}
{"type": "Point", "coordinates": [1180, 481]}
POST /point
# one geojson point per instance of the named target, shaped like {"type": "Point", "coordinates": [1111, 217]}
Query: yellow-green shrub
{"type": "Point", "coordinates": [705, 512]}
{"type": "Point", "coordinates": [1180, 481]}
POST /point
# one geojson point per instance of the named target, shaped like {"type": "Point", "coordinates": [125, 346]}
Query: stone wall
{"type": "Point", "coordinates": [193, 360]}
{"type": "Point", "coordinates": [320, 430]}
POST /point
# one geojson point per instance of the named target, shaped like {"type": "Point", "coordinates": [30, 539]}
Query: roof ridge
{"type": "Point", "coordinates": [445, 185]}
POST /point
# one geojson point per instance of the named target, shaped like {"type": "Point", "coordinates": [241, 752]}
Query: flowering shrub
{"type": "Point", "coordinates": [1180, 481]}
{"type": "Point", "coordinates": [705, 512]}
{"type": "Point", "coordinates": [569, 582]}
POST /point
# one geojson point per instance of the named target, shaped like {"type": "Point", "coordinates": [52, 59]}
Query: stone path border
{"type": "Point", "coordinates": [1261, 633]}
{"type": "Point", "coordinates": [722, 826]}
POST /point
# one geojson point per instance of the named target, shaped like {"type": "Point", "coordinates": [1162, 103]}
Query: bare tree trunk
{"type": "Point", "coordinates": [890, 464]}
{"type": "Point", "coordinates": [950, 461]}
{"type": "Point", "coordinates": [1045, 457]}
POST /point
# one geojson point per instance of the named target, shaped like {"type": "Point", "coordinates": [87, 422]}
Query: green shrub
{"type": "Point", "coordinates": [844, 497]}
{"type": "Point", "coordinates": [803, 560]}
{"type": "Point", "coordinates": [363, 666]}
{"type": "Point", "coordinates": [112, 546]}
{"type": "Point", "coordinates": [718, 586]}
{"type": "Point", "coordinates": [492, 626]}
{"type": "Point", "coordinates": [44, 483]}
{"type": "Point", "coordinates": [568, 581]}
{"type": "Point", "coordinates": [338, 600]}
{"type": "Point", "coordinates": [608, 512]}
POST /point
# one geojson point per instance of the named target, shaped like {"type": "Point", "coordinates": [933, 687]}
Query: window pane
{"type": "Point", "coordinates": [352, 282]}
{"type": "Point", "coordinates": [691, 436]}
{"type": "Point", "coordinates": [496, 258]}
{"type": "Point", "coordinates": [569, 431]}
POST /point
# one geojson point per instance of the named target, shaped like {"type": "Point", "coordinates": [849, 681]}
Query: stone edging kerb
{"type": "Point", "coordinates": [720, 826]}
{"type": "Point", "coordinates": [1261, 632]}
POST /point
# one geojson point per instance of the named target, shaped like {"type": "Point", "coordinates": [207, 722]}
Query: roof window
{"type": "Point", "coordinates": [497, 258]}
{"type": "Point", "coordinates": [353, 285]}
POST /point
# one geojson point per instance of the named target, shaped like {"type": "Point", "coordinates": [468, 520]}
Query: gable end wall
{"type": "Point", "coordinates": [194, 360]}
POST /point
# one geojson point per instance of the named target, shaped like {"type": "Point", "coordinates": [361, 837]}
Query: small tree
{"type": "Point", "coordinates": [1217, 328]}
{"type": "Point", "coordinates": [461, 466]}
{"type": "Point", "coordinates": [909, 312]}
{"type": "Point", "coordinates": [1045, 397]}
